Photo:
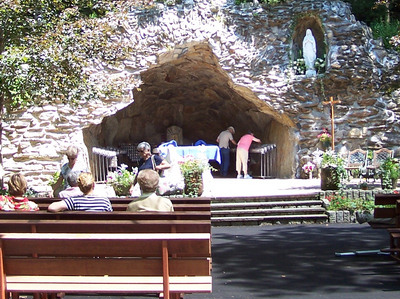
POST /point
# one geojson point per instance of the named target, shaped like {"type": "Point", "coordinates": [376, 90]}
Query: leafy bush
{"type": "Point", "coordinates": [374, 12]}
{"type": "Point", "coordinates": [339, 202]}
{"type": "Point", "coordinates": [366, 10]}
{"type": "Point", "coordinates": [386, 31]}
{"type": "Point", "coordinates": [389, 171]}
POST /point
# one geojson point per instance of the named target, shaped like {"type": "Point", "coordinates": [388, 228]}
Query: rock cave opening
{"type": "Point", "coordinates": [189, 89]}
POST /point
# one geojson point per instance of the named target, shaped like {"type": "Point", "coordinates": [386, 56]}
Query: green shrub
{"type": "Point", "coordinates": [386, 31]}
{"type": "Point", "coordinates": [339, 202]}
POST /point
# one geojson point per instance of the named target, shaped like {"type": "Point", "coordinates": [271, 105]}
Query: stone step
{"type": "Point", "coordinates": [275, 211]}
{"type": "Point", "coordinates": [258, 220]}
{"type": "Point", "coordinates": [283, 209]}
{"type": "Point", "coordinates": [251, 205]}
{"type": "Point", "coordinates": [267, 198]}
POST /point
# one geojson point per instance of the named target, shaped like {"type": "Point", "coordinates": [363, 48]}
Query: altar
{"type": "Point", "coordinates": [211, 152]}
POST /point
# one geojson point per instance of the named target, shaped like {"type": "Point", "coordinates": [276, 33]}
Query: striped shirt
{"type": "Point", "coordinates": [89, 203]}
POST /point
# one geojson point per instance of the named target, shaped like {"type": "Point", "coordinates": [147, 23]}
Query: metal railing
{"type": "Point", "coordinates": [104, 160]}
{"type": "Point", "coordinates": [268, 158]}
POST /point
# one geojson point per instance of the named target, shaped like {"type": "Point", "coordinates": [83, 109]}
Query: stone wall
{"type": "Point", "coordinates": [253, 45]}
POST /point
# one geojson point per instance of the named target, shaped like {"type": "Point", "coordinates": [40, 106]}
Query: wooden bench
{"type": "Point", "coordinates": [171, 264]}
{"type": "Point", "coordinates": [388, 208]}
{"type": "Point", "coordinates": [394, 243]}
{"type": "Point", "coordinates": [116, 221]}
{"type": "Point", "coordinates": [121, 203]}
{"type": "Point", "coordinates": [103, 226]}
{"type": "Point", "coordinates": [116, 215]}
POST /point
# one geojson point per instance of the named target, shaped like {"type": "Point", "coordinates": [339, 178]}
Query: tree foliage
{"type": "Point", "coordinates": [370, 11]}
{"type": "Point", "coordinates": [46, 46]}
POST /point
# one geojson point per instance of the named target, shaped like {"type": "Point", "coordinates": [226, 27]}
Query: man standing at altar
{"type": "Point", "coordinates": [223, 142]}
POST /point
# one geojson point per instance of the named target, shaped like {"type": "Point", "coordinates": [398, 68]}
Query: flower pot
{"type": "Point", "coordinates": [330, 180]}
{"type": "Point", "coordinates": [394, 183]}
{"type": "Point", "coordinates": [121, 190]}
{"type": "Point", "coordinates": [194, 185]}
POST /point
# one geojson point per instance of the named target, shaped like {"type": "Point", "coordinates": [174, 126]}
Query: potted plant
{"type": "Point", "coordinates": [332, 171]}
{"type": "Point", "coordinates": [192, 170]}
{"type": "Point", "coordinates": [121, 180]}
{"type": "Point", "coordinates": [363, 186]}
{"type": "Point", "coordinates": [389, 172]}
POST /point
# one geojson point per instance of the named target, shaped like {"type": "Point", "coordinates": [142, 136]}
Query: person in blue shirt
{"type": "Point", "coordinates": [148, 160]}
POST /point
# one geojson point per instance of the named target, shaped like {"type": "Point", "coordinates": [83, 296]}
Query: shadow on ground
{"type": "Point", "coordinates": [298, 261]}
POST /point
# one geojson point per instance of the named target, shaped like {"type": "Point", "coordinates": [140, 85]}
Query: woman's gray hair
{"type": "Point", "coordinates": [143, 146]}
{"type": "Point", "coordinates": [72, 151]}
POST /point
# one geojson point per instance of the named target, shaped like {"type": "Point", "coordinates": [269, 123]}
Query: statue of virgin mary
{"type": "Point", "coordinates": [309, 52]}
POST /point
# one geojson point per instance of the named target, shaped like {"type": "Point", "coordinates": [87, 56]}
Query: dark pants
{"type": "Point", "coordinates": [225, 153]}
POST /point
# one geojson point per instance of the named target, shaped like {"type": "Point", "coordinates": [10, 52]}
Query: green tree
{"type": "Point", "coordinates": [46, 46]}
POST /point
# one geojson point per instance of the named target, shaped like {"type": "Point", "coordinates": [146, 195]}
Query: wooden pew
{"type": "Point", "coordinates": [116, 215]}
{"type": "Point", "coordinates": [103, 226]}
{"type": "Point", "coordinates": [388, 208]}
{"type": "Point", "coordinates": [171, 264]}
{"type": "Point", "coordinates": [121, 203]}
{"type": "Point", "coordinates": [394, 243]}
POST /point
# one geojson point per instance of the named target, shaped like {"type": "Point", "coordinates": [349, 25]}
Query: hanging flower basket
{"type": "Point", "coordinates": [325, 138]}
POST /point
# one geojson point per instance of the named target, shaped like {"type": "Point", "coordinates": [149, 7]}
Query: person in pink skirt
{"type": "Point", "coordinates": [242, 154]}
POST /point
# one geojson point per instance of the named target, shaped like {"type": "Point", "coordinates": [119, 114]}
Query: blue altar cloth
{"type": "Point", "coordinates": [209, 151]}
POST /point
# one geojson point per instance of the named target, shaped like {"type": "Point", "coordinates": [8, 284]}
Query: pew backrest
{"type": "Point", "coordinates": [105, 263]}
{"type": "Point", "coordinates": [387, 206]}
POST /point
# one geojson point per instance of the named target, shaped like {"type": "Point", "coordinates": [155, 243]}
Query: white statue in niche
{"type": "Point", "coordinates": [309, 53]}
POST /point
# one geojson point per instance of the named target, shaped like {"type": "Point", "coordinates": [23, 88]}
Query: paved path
{"type": "Point", "coordinates": [298, 262]}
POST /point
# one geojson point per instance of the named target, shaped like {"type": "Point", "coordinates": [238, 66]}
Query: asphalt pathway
{"type": "Point", "coordinates": [298, 262]}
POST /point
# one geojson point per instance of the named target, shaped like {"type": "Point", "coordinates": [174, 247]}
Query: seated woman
{"type": "Point", "coordinates": [16, 201]}
{"type": "Point", "coordinates": [88, 202]}
{"type": "Point", "coordinates": [73, 190]}
{"type": "Point", "coordinates": [149, 200]}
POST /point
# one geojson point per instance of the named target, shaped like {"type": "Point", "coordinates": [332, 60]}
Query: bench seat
{"type": "Point", "coordinates": [105, 263]}
{"type": "Point", "coordinates": [103, 284]}
{"type": "Point", "coordinates": [387, 207]}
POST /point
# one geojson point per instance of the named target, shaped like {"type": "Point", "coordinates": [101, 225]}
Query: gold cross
{"type": "Point", "coordinates": [332, 103]}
